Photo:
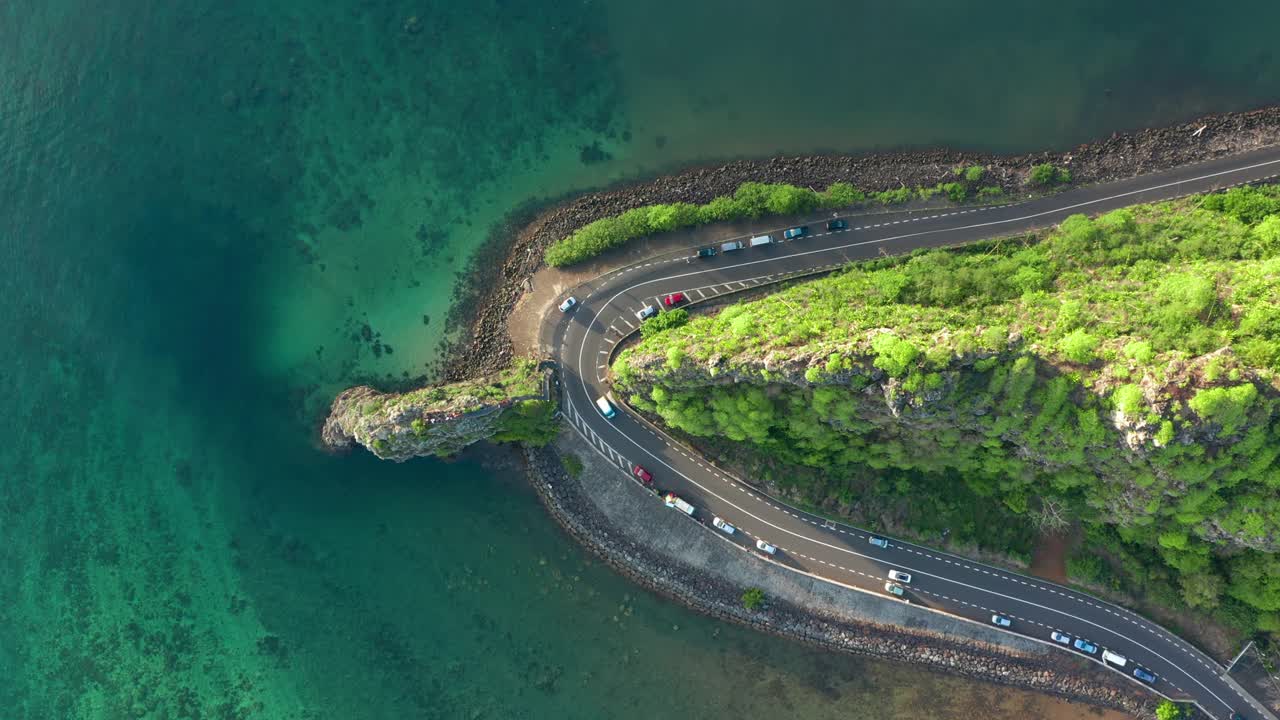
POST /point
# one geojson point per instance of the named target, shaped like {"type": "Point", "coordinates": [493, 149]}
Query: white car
{"type": "Point", "coordinates": [900, 576]}
{"type": "Point", "coordinates": [763, 546]}
{"type": "Point", "coordinates": [646, 312]}
{"type": "Point", "coordinates": [722, 525]}
{"type": "Point", "coordinates": [1060, 638]}
{"type": "Point", "coordinates": [1000, 621]}
{"type": "Point", "coordinates": [894, 589]}
{"type": "Point", "coordinates": [568, 303]}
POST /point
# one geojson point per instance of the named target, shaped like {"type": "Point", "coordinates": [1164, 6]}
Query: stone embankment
{"type": "Point", "coordinates": [499, 273]}
{"type": "Point", "coordinates": [666, 552]}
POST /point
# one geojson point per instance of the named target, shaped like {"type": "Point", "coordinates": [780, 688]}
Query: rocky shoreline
{"type": "Point", "coordinates": [499, 273]}
{"type": "Point", "coordinates": [575, 512]}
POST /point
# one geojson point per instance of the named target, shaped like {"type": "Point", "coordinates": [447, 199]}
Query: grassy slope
{"type": "Point", "coordinates": [1122, 368]}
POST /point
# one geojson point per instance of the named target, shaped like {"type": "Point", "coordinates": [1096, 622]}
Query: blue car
{"type": "Point", "coordinates": [1086, 646]}
{"type": "Point", "coordinates": [878, 541]}
{"type": "Point", "coordinates": [837, 224]}
{"type": "Point", "coordinates": [1144, 675]}
{"type": "Point", "coordinates": [796, 232]}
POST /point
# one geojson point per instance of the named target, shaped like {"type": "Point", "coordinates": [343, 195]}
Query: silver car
{"type": "Point", "coordinates": [724, 526]}
{"type": "Point", "coordinates": [568, 303]}
{"type": "Point", "coordinates": [646, 312]}
{"type": "Point", "coordinates": [763, 546]}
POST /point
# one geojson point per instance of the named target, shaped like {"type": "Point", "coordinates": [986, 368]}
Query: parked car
{"type": "Point", "coordinates": [1001, 621]}
{"type": "Point", "coordinates": [568, 303]}
{"type": "Point", "coordinates": [878, 541]}
{"type": "Point", "coordinates": [646, 312]}
{"type": "Point", "coordinates": [1085, 646]}
{"type": "Point", "coordinates": [673, 501]}
{"type": "Point", "coordinates": [759, 240]}
{"type": "Point", "coordinates": [706, 252]}
{"type": "Point", "coordinates": [1237, 716]}
{"type": "Point", "coordinates": [1144, 675]}
{"type": "Point", "coordinates": [1060, 638]}
{"type": "Point", "coordinates": [722, 525]}
{"type": "Point", "coordinates": [673, 299]}
{"type": "Point", "coordinates": [733, 245]}
{"type": "Point", "coordinates": [763, 546]}
{"type": "Point", "coordinates": [900, 576]}
{"type": "Point", "coordinates": [838, 224]}
{"type": "Point", "coordinates": [1114, 658]}
{"type": "Point", "coordinates": [894, 589]}
{"type": "Point", "coordinates": [796, 232]}
{"type": "Point", "coordinates": [643, 474]}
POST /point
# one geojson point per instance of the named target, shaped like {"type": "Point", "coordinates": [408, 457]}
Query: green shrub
{"type": "Point", "coordinates": [974, 174]}
{"type": "Point", "coordinates": [1049, 175]}
{"type": "Point", "coordinates": [1267, 233]}
{"type": "Point", "coordinates": [895, 196]}
{"type": "Point", "coordinates": [752, 598]}
{"type": "Point", "coordinates": [1128, 398]}
{"type": "Point", "coordinates": [664, 321]}
{"type": "Point", "coordinates": [993, 192]}
{"type": "Point", "coordinates": [955, 192]}
{"type": "Point", "coordinates": [531, 421]}
{"type": "Point", "coordinates": [1247, 204]}
{"type": "Point", "coordinates": [893, 354]}
{"type": "Point", "coordinates": [573, 466]}
{"type": "Point", "coordinates": [789, 200]}
{"type": "Point", "coordinates": [839, 195]}
{"type": "Point", "coordinates": [1225, 406]}
{"type": "Point", "coordinates": [1079, 346]}
{"type": "Point", "coordinates": [1140, 350]}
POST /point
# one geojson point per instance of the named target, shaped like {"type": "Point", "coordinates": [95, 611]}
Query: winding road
{"type": "Point", "coordinates": [583, 342]}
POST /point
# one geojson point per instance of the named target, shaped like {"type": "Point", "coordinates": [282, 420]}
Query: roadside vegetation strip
{"type": "Point", "coordinates": [751, 200]}
{"type": "Point", "coordinates": [1122, 317]}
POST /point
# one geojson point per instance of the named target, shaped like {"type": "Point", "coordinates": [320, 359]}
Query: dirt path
{"type": "Point", "coordinates": [1049, 561]}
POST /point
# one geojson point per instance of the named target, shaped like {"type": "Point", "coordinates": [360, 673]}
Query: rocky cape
{"type": "Point", "coordinates": [439, 420]}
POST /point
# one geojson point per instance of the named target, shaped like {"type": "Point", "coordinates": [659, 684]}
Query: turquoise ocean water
{"type": "Point", "coordinates": [213, 215]}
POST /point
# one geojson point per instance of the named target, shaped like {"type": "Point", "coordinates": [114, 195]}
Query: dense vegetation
{"type": "Point", "coordinates": [1167, 710]}
{"type": "Point", "coordinates": [750, 200]}
{"type": "Point", "coordinates": [1118, 374]}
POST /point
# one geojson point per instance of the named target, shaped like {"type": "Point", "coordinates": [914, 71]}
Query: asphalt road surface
{"type": "Point", "coordinates": [583, 341]}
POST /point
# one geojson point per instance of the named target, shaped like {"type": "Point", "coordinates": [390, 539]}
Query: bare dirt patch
{"type": "Point", "coordinates": [1049, 561]}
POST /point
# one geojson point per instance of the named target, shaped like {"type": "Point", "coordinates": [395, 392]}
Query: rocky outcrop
{"type": "Point", "coordinates": [439, 420]}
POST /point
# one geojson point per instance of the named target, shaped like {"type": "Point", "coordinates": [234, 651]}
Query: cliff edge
{"type": "Point", "coordinates": [441, 420]}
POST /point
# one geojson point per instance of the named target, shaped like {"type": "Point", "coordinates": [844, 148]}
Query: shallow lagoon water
{"type": "Point", "coordinates": [213, 216]}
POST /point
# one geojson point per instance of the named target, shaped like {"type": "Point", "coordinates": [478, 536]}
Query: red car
{"type": "Point", "coordinates": [673, 299]}
{"type": "Point", "coordinates": [644, 475]}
